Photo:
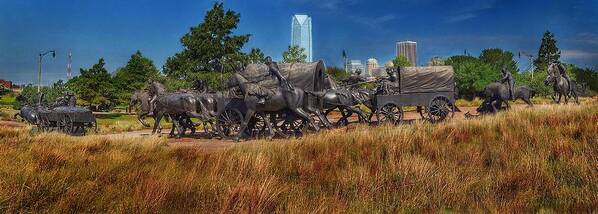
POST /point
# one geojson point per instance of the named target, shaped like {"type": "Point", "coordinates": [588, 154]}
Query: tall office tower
{"type": "Point", "coordinates": [372, 66]}
{"type": "Point", "coordinates": [409, 50]}
{"type": "Point", "coordinates": [301, 34]}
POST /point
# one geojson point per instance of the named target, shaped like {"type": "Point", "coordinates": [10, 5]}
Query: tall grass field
{"type": "Point", "coordinates": [541, 159]}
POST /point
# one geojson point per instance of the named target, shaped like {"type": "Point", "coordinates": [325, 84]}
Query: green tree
{"type": "Point", "coordinates": [94, 87]}
{"type": "Point", "coordinates": [337, 73]}
{"type": "Point", "coordinates": [536, 84]}
{"type": "Point", "coordinates": [294, 54]}
{"type": "Point", "coordinates": [256, 56]}
{"type": "Point", "coordinates": [206, 43]}
{"type": "Point", "coordinates": [585, 77]}
{"type": "Point", "coordinates": [401, 61]}
{"type": "Point", "coordinates": [497, 58]}
{"type": "Point", "coordinates": [133, 76]}
{"type": "Point", "coordinates": [547, 53]}
{"type": "Point", "coordinates": [471, 74]}
{"type": "Point", "coordinates": [52, 92]}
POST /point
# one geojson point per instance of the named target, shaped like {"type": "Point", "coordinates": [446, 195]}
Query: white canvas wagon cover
{"type": "Point", "coordinates": [307, 76]}
{"type": "Point", "coordinates": [427, 79]}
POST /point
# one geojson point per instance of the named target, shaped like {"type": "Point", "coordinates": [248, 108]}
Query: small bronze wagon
{"type": "Point", "coordinates": [68, 119]}
{"type": "Point", "coordinates": [431, 89]}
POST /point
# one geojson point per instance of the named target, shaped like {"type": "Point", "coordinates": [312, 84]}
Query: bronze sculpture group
{"type": "Point", "coordinates": [266, 100]}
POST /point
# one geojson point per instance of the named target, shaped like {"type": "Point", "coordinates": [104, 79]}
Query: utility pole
{"type": "Point", "coordinates": [69, 74]}
{"type": "Point", "coordinates": [530, 67]}
{"type": "Point", "coordinates": [39, 73]}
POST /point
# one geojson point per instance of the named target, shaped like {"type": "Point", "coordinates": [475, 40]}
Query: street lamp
{"type": "Point", "coordinates": [39, 73]}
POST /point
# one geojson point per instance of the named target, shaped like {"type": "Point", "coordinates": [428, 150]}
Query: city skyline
{"type": "Point", "coordinates": [114, 30]}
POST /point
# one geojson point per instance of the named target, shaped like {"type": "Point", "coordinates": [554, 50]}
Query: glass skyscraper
{"type": "Point", "coordinates": [301, 34]}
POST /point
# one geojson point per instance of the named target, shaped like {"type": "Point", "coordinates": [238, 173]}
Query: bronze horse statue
{"type": "Point", "coordinates": [141, 97]}
{"type": "Point", "coordinates": [174, 104]}
{"type": "Point", "coordinates": [497, 93]}
{"type": "Point", "coordinates": [560, 85]}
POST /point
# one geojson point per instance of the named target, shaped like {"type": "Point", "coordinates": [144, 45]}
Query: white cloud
{"type": "Point", "coordinates": [460, 17]}
{"type": "Point", "coordinates": [578, 54]}
{"type": "Point", "coordinates": [588, 38]}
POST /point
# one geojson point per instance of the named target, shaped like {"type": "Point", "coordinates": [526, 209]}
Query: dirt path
{"type": "Point", "coordinates": [215, 144]}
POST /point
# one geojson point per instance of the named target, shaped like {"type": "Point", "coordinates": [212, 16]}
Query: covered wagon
{"type": "Point", "coordinates": [307, 76]}
{"type": "Point", "coordinates": [431, 89]}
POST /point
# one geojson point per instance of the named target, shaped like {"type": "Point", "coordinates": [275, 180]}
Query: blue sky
{"type": "Point", "coordinates": [115, 29]}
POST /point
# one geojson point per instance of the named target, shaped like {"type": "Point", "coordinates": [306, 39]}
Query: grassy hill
{"type": "Point", "coordinates": [526, 160]}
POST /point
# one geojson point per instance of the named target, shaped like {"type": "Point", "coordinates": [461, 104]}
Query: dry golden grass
{"type": "Point", "coordinates": [524, 160]}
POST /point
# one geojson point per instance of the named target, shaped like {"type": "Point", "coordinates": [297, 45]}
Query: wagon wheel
{"type": "Point", "coordinates": [66, 125]}
{"type": "Point", "coordinates": [390, 113]}
{"type": "Point", "coordinates": [288, 125]}
{"type": "Point", "coordinates": [93, 125]}
{"type": "Point", "coordinates": [228, 123]}
{"type": "Point", "coordinates": [42, 124]}
{"type": "Point", "coordinates": [439, 109]}
{"type": "Point", "coordinates": [257, 127]}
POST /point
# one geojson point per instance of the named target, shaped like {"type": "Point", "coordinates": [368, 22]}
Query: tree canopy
{"type": "Point", "coordinates": [94, 87]}
{"type": "Point", "coordinates": [133, 76]}
{"type": "Point", "coordinates": [401, 61]}
{"type": "Point", "coordinates": [497, 58]}
{"type": "Point", "coordinates": [548, 52]}
{"type": "Point", "coordinates": [471, 74]}
{"type": "Point", "coordinates": [256, 56]}
{"type": "Point", "coordinates": [294, 54]}
{"type": "Point", "coordinates": [209, 45]}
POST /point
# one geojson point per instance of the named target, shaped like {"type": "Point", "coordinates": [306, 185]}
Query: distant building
{"type": "Point", "coordinates": [436, 61]}
{"type": "Point", "coordinates": [301, 34]}
{"type": "Point", "coordinates": [353, 65]}
{"type": "Point", "coordinates": [6, 84]}
{"type": "Point", "coordinates": [379, 72]}
{"type": "Point", "coordinates": [409, 50]}
{"type": "Point", "coordinates": [372, 64]}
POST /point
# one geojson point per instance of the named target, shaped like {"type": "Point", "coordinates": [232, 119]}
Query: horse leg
{"type": "Point", "coordinates": [268, 123]}
{"type": "Point", "coordinates": [141, 117]}
{"type": "Point", "coordinates": [176, 123]}
{"type": "Point", "coordinates": [362, 115]}
{"type": "Point", "coordinates": [528, 101]}
{"type": "Point", "coordinates": [575, 96]}
{"type": "Point", "coordinates": [322, 118]}
{"type": "Point", "coordinates": [559, 100]}
{"type": "Point", "coordinates": [248, 115]}
{"type": "Point", "coordinates": [171, 134]}
{"type": "Point", "coordinates": [157, 119]}
{"type": "Point", "coordinates": [493, 104]}
{"type": "Point", "coordinates": [301, 113]}
{"type": "Point", "coordinates": [507, 104]}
